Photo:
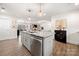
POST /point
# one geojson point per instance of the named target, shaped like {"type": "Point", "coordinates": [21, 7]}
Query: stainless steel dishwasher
{"type": "Point", "coordinates": [36, 46]}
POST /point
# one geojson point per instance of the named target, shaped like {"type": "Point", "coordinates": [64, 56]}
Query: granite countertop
{"type": "Point", "coordinates": [41, 34]}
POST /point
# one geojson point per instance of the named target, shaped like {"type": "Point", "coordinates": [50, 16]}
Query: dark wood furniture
{"type": "Point", "coordinates": [60, 35]}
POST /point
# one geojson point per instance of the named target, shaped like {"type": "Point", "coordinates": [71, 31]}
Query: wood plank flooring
{"type": "Point", "coordinates": [61, 49]}
{"type": "Point", "coordinates": [12, 48]}
{"type": "Point", "coordinates": [72, 50]}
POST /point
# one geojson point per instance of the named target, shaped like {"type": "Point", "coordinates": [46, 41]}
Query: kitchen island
{"type": "Point", "coordinates": [39, 44]}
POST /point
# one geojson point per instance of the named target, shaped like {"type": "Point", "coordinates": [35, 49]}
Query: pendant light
{"type": "Point", "coordinates": [29, 17]}
{"type": "Point", "coordinates": [41, 13]}
{"type": "Point", "coordinates": [2, 9]}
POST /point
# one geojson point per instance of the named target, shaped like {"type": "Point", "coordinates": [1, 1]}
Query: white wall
{"type": "Point", "coordinates": [6, 31]}
{"type": "Point", "coordinates": [72, 24]}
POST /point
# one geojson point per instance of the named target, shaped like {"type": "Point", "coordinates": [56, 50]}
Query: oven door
{"type": "Point", "coordinates": [36, 47]}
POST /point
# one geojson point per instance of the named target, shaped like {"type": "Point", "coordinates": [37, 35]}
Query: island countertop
{"type": "Point", "coordinates": [41, 34]}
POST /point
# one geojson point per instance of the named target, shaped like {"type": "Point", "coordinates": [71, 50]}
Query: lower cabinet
{"type": "Point", "coordinates": [60, 35]}
{"type": "Point", "coordinates": [27, 43]}
{"type": "Point", "coordinates": [26, 40]}
{"type": "Point", "coordinates": [38, 46]}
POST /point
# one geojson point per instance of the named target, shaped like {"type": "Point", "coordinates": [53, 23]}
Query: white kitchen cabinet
{"type": "Point", "coordinates": [38, 45]}
{"type": "Point", "coordinates": [26, 40]}
{"type": "Point", "coordinates": [48, 46]}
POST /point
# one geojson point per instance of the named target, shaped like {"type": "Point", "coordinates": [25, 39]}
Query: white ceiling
{"type": "Point", "coordinates": [20, 9]}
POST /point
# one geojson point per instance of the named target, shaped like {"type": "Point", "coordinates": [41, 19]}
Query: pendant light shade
{"type": "Point", "coordinates": [2, 9]}
{"type": "Point", "coordinates": [41, 12]}
{"type": "Point", "coordinates": [29, 17]}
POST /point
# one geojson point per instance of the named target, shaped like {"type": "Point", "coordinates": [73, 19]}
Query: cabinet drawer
{"type": "Point", "coordinates": [36, 37]}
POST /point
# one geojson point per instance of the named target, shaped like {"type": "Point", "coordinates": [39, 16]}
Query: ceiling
{"type": "Point", "coordinates": [20, 9]}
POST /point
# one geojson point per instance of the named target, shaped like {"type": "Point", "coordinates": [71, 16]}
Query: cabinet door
{"type": "Point", "coordinates": [25, 38]}
{"type": "Point", "coordinates": [22, 38]}
{"type": "Point", "coordinates": [48, 46]}
{"type": "Point", "coordinates": [60, 35]}
{"type": "Point", "coordinates": [27, 42]}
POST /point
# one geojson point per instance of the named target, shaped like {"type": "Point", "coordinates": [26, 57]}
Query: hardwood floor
{"type": "Point", "coordinates": [61, 49]}
{"type": "Point", "coordinates": [12, 48]}
{"type": "Point", "coordinates": [72, 50]}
